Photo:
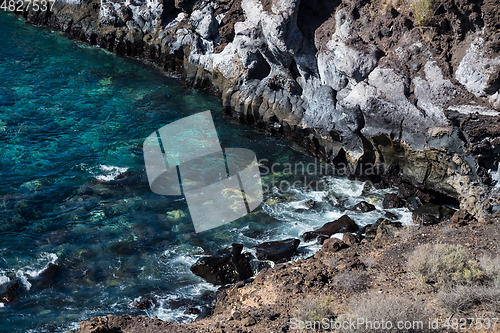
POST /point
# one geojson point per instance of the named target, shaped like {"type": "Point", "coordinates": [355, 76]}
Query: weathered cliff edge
{"type": "Point", "coordinates": [354, 81]}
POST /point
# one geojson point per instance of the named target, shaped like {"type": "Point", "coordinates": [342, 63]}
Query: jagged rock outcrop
{"type": "Point", "coordinates": [355, 82]}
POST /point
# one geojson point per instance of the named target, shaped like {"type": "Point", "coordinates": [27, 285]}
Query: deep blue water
{"type": "Point", "coordinates": [72, 122]}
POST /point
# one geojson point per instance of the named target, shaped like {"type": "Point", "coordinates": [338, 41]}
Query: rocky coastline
{"type": "Point", "coordinates": [358, 82]}
{"type": "Point", "coordinates": [376, 86]}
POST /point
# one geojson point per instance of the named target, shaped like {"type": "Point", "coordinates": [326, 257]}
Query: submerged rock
{"type": "Point", "coordinates": [145, 303]}
{"type": "Point", "coordinates": [277, 251]}
{"type": "Point", "coordinates": [343, 224]}
{"type": "Point", "coordinates": [9, 291]}
{"type": "Point", "coordinates": [224, 266]}
{"type": "Point", "coordinates": [47, 277]}
{"type": "Point", "coordinates": [363, 207]}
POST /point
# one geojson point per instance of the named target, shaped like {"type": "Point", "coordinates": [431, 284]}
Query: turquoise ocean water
{"type": "Point", "coordinates": [73, 193]}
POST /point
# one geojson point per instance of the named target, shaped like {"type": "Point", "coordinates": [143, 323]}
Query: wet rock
{"type": "Point", "coordinates": [277, 251]}
{"type": "Point", "coordinates": [406, 191]}
{"type": "Point", "coordinates": [9, 291]}
{"type": "Point", "coordinates": [349, 239]}
{"type": "Point", "coordinates": [332, 245]}
{"type": "Point", "coordinates": [145, 303]}
{"type": "Point", "coordinates": [310, 204]}
{"type": "Point", "coordinates": [427, 214]}
{"type": "Point", "coordinates": [47, 277]}
{"type": "Point", "coordinates": [343, 224]}
{"type": "Point", "coordinates": [462, 217]}
{"type": "Point", "coordinates": [413, 203]}
{"type": "Point", "coordinates": [178, 303]}
{"type": "Point", "coordinates": [363, 207]}
{"type": "Point", "coordinates": [367, 188]}
{"type": "Point", "coordinates": [391, 216]}
{"type": "Point", "coordinates": [321, 239]}
{"type": "Point", "coordinates": [192, 311]}
{"type": "Point", "coordinates": [224, 266]}
{"type": "Point", "coordinates": [259, 265]}
{"type": "Point", "coordinates": [392, 200]}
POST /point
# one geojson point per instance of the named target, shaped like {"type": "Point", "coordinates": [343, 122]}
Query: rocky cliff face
{"type": "Point", "coordinates": [366, 83]}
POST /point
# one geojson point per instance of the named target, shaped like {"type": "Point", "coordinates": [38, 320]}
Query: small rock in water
{"type": "Point", "coordinates": [343, 224]}
{"type": "Point", "coordinates": [310, 204]}
{"type": "Point", "coordinates": [363, 207]}
{"type": "Point", "coordinates": [9, 292]}
{"type": "Point", "coordinates": [224, 266]}
{"type": "Point", "coordinates": [277, 251]}
{"type": "Point", "coordinates": [192, 310]}
{"type": "Point", "coordinates": [367, 187]}
{"type": "Point", "coordinates": [391, 216]}
{"type": "Point", "coordinates": [145, 303]}
{"type": "Point", "coordinates": [47, 277]}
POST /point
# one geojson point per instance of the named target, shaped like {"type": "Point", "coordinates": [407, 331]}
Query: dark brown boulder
{"type": "Point", "coordinates": [224, 266]}
{"type": "Point", "coordinates": [462, 217]}
{"type": "Point", "coordinates": [333, 245]}
{"type": "Point", "coordinates": [343, 224]}
{"type": "Point", "coordinates": [278, 251]}
{"type": "Point", "coordinates": [392, 200]}
{"type": "Point", "coordinates": [363, 207]}
{"type": "Point", "coordinates": [349, 239]}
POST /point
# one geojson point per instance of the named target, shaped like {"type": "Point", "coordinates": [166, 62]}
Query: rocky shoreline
{"type": "Point", "coordinates": [354, 82]}
{"type": "Point", "coordinates": [404, 99]}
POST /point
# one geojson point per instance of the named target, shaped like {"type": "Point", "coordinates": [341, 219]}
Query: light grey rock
{"type": "Point", "coordinates": [145, 13]}
{"type": "Point", "coordinates": [434, 93]}
{"type": "Point", "coordinates": [475, 70]}
{"type": "Point", "coordinates": [321, 111]}
{"type": "Point", "coordinates": [204, 22]}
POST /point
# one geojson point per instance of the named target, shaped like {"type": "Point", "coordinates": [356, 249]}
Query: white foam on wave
{"type": "Point", "coordinates": [164, 312]}
{"type": "Point", "coordinates": [110, 172]}
{"type": "Point", "coordinates": [495, 176]}
{"type": "Point", "coordinates": [103, 172]}
{"type": "Point", "coordinates": [3, 279]}
{"type": "Point", "coordinates": [33, 270]}
{"type": "Point", "coordinates": [297, 218]}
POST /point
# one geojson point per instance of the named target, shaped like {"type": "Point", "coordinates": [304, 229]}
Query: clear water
{"type": "Point", "coordinates": [73, 117]}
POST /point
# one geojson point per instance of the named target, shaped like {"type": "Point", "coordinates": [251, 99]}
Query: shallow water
{"type": "Point", "coordinates": [72, 120]}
